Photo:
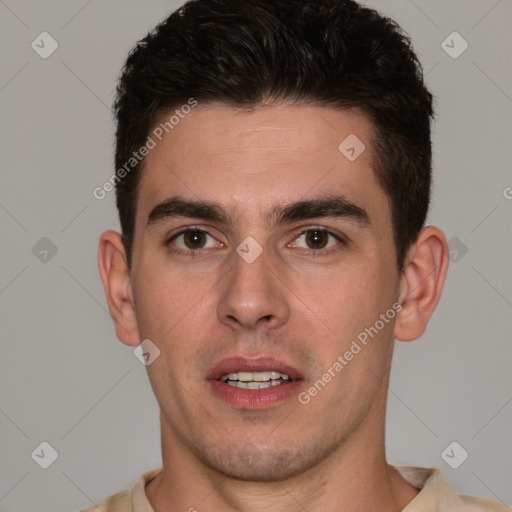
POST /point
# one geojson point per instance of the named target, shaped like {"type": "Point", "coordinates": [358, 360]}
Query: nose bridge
{"type": "Point", "coordinates": [251, 293]}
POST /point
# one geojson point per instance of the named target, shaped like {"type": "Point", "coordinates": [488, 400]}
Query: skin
{"type": "Point", "coordinates": [299, 303]}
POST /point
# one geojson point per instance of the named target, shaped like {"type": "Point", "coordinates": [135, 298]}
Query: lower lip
{"type": "Point", "coordinates": [254, 398]}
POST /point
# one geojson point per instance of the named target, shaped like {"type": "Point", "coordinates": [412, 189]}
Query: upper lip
{"type": "Point", "coordinates": [244, 364]}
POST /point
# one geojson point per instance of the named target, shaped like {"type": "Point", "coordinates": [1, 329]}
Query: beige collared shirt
{"type": "Point", "coordinates": [435, 495]}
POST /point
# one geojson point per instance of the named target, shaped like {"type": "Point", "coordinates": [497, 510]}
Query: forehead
{"type": "Point", "coordinates": [251, 161]}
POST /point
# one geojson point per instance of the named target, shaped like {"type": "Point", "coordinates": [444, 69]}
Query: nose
{"type": "Point", "coordinates": [253, 296]}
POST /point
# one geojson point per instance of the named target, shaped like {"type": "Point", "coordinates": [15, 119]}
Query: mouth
{"type": "Point", "coordinates": [256, 380]}
{"type": "Point", "coordinates": [259, 383]}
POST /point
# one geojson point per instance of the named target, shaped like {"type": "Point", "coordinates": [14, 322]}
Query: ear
{"type": "Point", "coordinates": [421, 283]}
{"type": "Point", "coordinates": [115, 276]}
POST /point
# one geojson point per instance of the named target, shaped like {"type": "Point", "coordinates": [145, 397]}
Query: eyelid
{"type": "Point", "coordinates": [170, 238]}
{"type": "Point", "coordinates": [342, 238]}
{"type": "Point", "coordinates": [324, 252]}
{"type": "Point", "coordinates": [186, 229]}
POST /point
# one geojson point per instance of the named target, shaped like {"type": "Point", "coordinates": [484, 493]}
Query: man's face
{"type": "Point", "coordinates": [326, 272]}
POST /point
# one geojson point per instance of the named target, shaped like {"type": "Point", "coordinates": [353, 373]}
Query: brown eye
{"type": "Point", "coordinates": [191, 240]}
{"type": "Point", "coordinates": [317, 239]}
{"type": "Point", "coordinates": [194, 239]}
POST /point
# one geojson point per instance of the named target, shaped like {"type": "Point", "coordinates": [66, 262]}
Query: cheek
{"type": "Point", "coordinates": [172, 311]}
{"type": "Point", "coordinates": [167, 300]}
{"type": "Point", "coordinates": [359, 346]}
{"type": "Point", "coordinates": [176, 309]}
{"type": "Point", "coordinates": [346, 299]}
{"type": "Point", "coordinates": [351, 302]}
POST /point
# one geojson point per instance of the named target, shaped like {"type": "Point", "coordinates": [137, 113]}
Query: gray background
{"type": "Point", "coordinates": [65, 378]}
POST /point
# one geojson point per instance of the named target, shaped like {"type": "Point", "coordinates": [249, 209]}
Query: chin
{"type": "Point", "coordinates": [263, 463]}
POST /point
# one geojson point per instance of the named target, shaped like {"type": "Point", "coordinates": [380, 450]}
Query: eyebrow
{"type": "Point", "coordinates": [334, 206]}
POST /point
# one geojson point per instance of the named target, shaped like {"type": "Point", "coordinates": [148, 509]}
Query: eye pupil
{"type": "Point", "coordinates": [316, 239]}
{"type": "Point", "coordinates": [194, 239]}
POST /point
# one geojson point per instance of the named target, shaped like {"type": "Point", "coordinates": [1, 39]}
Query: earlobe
{"type": "Point", "coordinates": [115, 276]}
{"type": "Point", "coordinates": [421, 283]}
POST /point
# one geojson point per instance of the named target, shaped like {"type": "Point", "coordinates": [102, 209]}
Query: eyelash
{"type": "Point", "coordinates": [192, 253]}
{"type": "Point", "coordinates": [201, 252]}
{"type": "Point", "coordinates": [318, 253]}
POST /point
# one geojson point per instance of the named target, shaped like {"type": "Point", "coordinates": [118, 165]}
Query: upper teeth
{"type": "Point", "coordinates": [254, 376]}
